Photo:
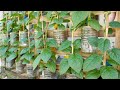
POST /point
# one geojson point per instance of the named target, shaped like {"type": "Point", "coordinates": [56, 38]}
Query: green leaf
{"type": "Point", "coordinates": [79, 75]}
{"type": "Point", "coordinates": [109, 72]}
{"type": "Point", "coordinates": [41, 67]}
{"type": "Point", "coordinates": [64, 45]}
{"type": "Point", "coordinates": [63, 14]}
{"type": "Point", "coordinates": [36, 61]}
{"type": "Point", "coordinates": [103, 44]}
{"type": "Point", "coordinates": [94, 74]}
{"type": "Point", "coordinates": [49, 13]}
{"type": "Point", "coordinates": [113, 62]}
{"type": "Point", "coordinates": [40, 24]}
{"type": "Point", "coordinates": [115, 54]}
{"type": "Point", "coordinates": [114, 24]}
{"type": "Point", "coordinates": [51, 25]}
{"type": "Point", "coordinates": [75, 62]}
{"type": "Point", "coordinates": [79, 16]}
{"type": "Point", "coordinates": [92, 62]}
{"type": "Point", "coordinates": [27, 56]}
{"type": "Point", "coordinates": [36, 13]}
{"type": "Point", "coordinates": [64, 66]}
{"type": "Point", "coordinates": [118, 74]}
{"type": "Point", "coordinates": [77, 43]}
{"type": "Point", "coordinates": [13, 49]}
{"type": "Point", "coordinates": [3, 50]}
{"type": "Point", "coordinates": [60, 21]}
{"type": "Point", "coordinates": [46, 54]}
{"type": "Point", "coordinates": [94, 24]}
{"type": "Point", "coordinates": [93, 41]}
{"type": "Point", "coordinates": [110, 31]}
{"type": "Point", "coordinates": [24, 50]}
{"type": "Point", "coordinates": [25, 61]}
{"type": "Point", "coordinates": [11, 57]}
{"type": "Point", "coordinates": [26, 20]}
{"type": "Point", "coordinates": [51, 65]}
{"type": "Point", "coordinates": [39, 34]}
{"type": "Point", "coordinates": [52, 43]}
{"type": "Point", "coordinates": [55, 20]}
{"type": "Point", "coordinates": [38, 43]}
{"type": "Point", "coordinates": [61, 27]}
{"type": "Point", "coordinates": [68, 49]}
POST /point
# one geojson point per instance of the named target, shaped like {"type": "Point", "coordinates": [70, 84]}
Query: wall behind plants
{"type": "Point", "coordinates": [52, 44]}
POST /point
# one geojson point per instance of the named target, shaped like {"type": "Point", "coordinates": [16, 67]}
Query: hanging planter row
{"type": "Point", "coordinates": [28, 47]}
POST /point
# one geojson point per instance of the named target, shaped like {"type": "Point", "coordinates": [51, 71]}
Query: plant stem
{"type": "Point", "coordinates": [46, 33]}
{"type": "Point", "coordinates": [6, 24]}
{"type": "Point", "coordinates": [72, 41]}
{"type": "Point", "coordinates": [106, 36]}
{"type": "Point", "coordinates": [23, 24]}
{"type": "Point", "coordinates": [19, 40]}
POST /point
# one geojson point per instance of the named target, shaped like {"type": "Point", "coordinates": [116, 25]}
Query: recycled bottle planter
{"type": "Point", "coordinates": [4, 38]}
{"type": "Point", "coordinates": [87, 32]}
{"type": "Point", "coordinates": [2, 65]}
{"type": "Point", "coordinates": [70, 76]}
{"type": "Point", "coordinates": [50, 33]}
{"type": "Point", "coordinates": [23, 38]}
{"type": "Point", "coordinates": [10, 64]}
{"type": "Point", "coordinates": [59, 36]}
{"type": "Point", "coordinates": [3, 62]}
{"type": "Point", "coordinates": [19, 67]}
{"type": "Point", "coordinates": [30, 71]}
{"type": "Point", "coordinates": [101, 17]}
{"type": "Point", "coordinates": [46, 74]}
{"type": "Point", "coordinates": [13, 38]}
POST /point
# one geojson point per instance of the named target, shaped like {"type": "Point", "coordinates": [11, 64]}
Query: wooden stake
{"type": "Point", "coordinates": [6, 24]}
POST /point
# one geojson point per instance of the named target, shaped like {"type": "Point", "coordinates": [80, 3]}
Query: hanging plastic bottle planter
{"type": "Point", "coordinates": [71, 76]}
{"type": "Point", "coordinates": [23, 38]}
{"type": "Point", "coordinates": [9, 64]}
{"type": "Point", "coordinates": [46, 74]}
{"type": "Point", "coordinates": [59, 36]}
{"type": "Point", "coordinates": [30, 71]}
{"type": "Point", "coordinates": [19, 67]}
{"type": "Point", "coordinates": [4, 39]}
{"type": "Point", "coordinates": [13, 38]}
{"type": "Point", "coordinates": [87, 32]}
{"type": "Point", "coordinates": [2, 65]}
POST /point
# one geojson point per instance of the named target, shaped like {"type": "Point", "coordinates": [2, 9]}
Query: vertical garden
{"type": "Point", "coordinates": [59, 45]}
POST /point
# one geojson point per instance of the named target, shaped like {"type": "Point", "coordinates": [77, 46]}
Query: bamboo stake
{"type": "Point", "coordinates": [28, 34]}
{"type": "Point", "coordinates": [46, 33]}
{"type": "Point", "coordinates": [34, 36]}
{"type": "Point", "coordinates": [6, 25]}
{"type": "Point", "coordinates": [43, 30]}
{"type": "Point", "coordinates": [19, 38]}
{"type": "Point", "coordinates": [106, 36]}
{"type": "Point", "coordinates": [72, 41]}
